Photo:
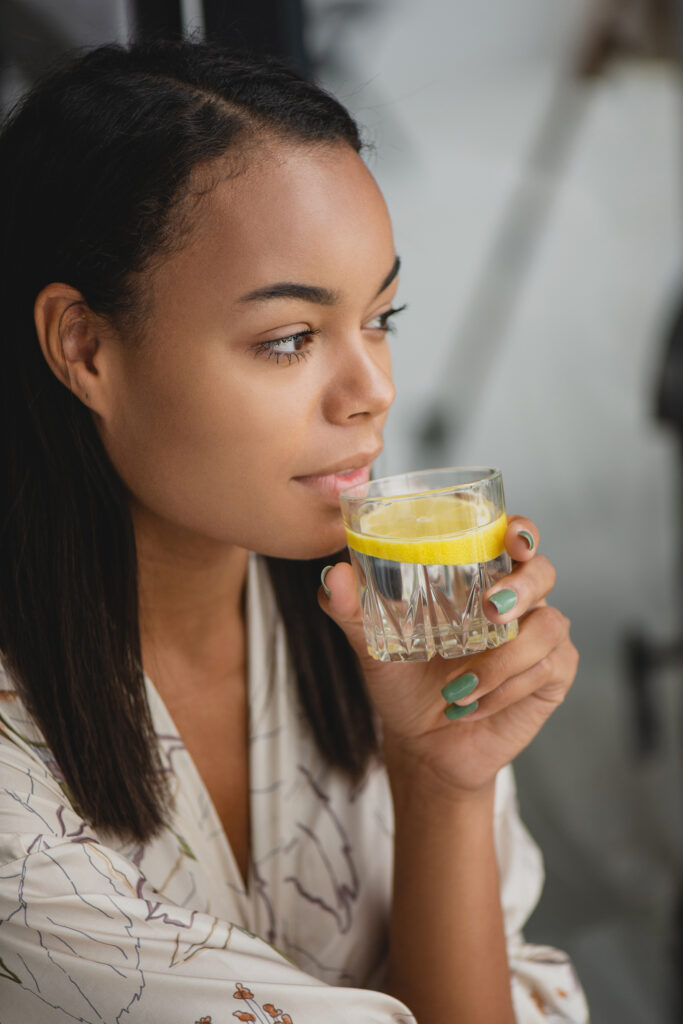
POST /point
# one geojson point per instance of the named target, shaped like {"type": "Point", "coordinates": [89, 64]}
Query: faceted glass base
{"type": "Point", "coordinates": [412, 612]}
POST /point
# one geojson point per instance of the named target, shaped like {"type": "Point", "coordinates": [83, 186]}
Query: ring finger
{"type": "Point", "coordinates": [539, 633]}
{"type": "Point", "coordinates": [548, 679]}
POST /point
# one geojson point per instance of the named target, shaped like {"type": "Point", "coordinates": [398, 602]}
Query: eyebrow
{"type": "Point", "coordinates": [308, 292]}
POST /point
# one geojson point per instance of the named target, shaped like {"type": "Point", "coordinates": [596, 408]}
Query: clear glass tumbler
{"type": "Point", "coordinates": [424, 547]}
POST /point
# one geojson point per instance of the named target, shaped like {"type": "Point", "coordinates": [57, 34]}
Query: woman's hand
{"type": "Point", "coordinates": [458, 745]}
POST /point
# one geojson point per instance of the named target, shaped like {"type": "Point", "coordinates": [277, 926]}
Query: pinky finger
{"type": "Point", "coordinates": [547, 682]}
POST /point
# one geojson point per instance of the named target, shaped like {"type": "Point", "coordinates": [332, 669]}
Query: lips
{"type": "Point", "coordinates": [360, 461]}
{"type": "Point", "coordinates": [330, 482]}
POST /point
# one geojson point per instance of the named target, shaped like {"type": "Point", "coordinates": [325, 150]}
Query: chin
{"type": "Point", "coordinates": [306, 548]}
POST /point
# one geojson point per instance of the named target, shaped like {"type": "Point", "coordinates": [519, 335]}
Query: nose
{"type": "Point", "coordinates": [361, 384]}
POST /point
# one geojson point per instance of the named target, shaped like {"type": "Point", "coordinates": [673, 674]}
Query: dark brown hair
{"type": "Point", "coordinates": [94, 166]}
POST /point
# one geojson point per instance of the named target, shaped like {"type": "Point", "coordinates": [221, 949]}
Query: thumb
{"type": "Point", "coordinates": [342, 604]}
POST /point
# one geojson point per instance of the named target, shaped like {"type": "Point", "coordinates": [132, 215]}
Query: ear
{"type": "Point", "coordinates": [68, 332]}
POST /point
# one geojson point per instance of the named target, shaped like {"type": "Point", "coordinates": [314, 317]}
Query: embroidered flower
{"type": "Point", "coordinates": [242, 992]}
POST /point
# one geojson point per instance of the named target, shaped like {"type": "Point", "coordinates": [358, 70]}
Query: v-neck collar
{"type": "Point", "coordinates": [195, 819]}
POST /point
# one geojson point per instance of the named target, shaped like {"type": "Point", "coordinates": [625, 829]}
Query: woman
{"type": "Point", "coordinates": [207, 784]}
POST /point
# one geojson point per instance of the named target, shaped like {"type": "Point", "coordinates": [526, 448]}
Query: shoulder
{"type": "Point", "coordinates": [20, 736]}
{"type": "Point", "coordinates": [15, 721]}
{"type": "Point", "coordinates": [34, 800]}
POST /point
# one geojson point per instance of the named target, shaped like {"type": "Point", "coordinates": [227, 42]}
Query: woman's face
{"type": "Point", "coordinates": [264, 371]}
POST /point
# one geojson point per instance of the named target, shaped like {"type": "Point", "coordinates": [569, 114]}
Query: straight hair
{"type": "Point", "coordinates": [95, 167]}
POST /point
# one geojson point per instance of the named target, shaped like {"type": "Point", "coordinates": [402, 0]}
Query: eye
{"type": "Point", "coordinates": [294, 346]}
{"type": "Point", "coordinates": [382, 322]}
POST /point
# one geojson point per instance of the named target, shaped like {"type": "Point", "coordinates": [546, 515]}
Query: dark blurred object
{"type": "Point", "coordinates": [669, 400]}
{"type": "Point", "coordinates": [643, 28]}
{"type": "Point", "coordinates": [274, 27]}
{"type": "Point", "coordinates": [645, 657]}
{"type": "Point", "coordinates": [34, 38]}
{"type": "Point", "coordinates": [33, 35]}
{"type": "Point", "coordinates": [669, 410]}
{"type": "Point", "coordinates": [157, 19]}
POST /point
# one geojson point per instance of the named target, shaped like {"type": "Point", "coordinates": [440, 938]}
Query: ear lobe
{"type": "Point", "coordinates": [66, 332]}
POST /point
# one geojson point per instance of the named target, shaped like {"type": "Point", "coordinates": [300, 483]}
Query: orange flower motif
{"type": "Point", "coordinates": [242, 993]}
{"type": "Point", "coordinates": [203, 1020]}
{"type": "Point", "coordinates": [270, 1009]}
{"type": "Point", "coordinates": [540, 1002]}
{"type": "Point", "coordinates": [243, 1016]}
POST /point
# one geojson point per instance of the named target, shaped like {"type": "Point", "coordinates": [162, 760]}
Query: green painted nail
{"type": "Point", "coordinates": [503, 600]}
{"type": "Point", "coordinates": [323, 574]}
{"type": "Point", "coordinates": [460, 687]}
{"type": "Point", "coordinates": [454, 712]}
{"type": "Point", "coordinates": [528, 537]}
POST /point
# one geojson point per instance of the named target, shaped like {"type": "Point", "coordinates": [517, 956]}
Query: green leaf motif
{"type": "Point", "coordinates": [182, 843]}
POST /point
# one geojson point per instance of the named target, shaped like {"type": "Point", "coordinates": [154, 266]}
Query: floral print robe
{"type": "Point", "coordinates": [95, 929]}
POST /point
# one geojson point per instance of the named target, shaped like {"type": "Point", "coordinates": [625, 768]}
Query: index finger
{"type": "Point", "coordinates": [521, 538]}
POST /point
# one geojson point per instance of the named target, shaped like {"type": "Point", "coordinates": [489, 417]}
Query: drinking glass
{"type": "Point", "coordinates": [424, 547]}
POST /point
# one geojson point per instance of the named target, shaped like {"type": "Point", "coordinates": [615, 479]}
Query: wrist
{"type": "Point", "coordinates": [419, 788]}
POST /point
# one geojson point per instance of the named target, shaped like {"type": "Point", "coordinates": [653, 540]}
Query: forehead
{"type": "Point", "coordinates": [292, 213]}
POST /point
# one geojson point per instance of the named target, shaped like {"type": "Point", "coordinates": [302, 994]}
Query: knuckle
{"type": "Point", "coordinates": [545, 667]}
{"type": "Point", "coordinates": [575, 658]}
{"type": "Point", "coordinates": [551, 622]}
{"type": "Point", "coordinates": [560, 695]}
{"type": "Point", "coordinates": [566, 665]}
{"type": "Point", "coordinates": [505, 664]}
{"type": "Point", "coordinates": [548, 569]}
{"type": "Point", "coordinates": [560, 626]}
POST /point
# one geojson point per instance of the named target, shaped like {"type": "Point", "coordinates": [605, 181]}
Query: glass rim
{"type": "Point", "coordinates": [488, 473]}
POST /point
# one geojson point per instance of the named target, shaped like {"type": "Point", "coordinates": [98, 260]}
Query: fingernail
{"type": "Point", "coordinates": [460, 687]}
{"type": "Point", "coordinates": [454, 712]}
{"type": "Point", "coordinates": [528, 537]}
{"type": "Point", "coordinates": [323, 574]}
{"type": "Point", "coordinates": [503, 600]}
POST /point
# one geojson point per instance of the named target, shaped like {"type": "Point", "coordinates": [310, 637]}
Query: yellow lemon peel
{"type": "Point", "coordinates": [441, 530]}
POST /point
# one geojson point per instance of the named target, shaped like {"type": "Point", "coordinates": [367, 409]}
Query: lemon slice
{"type": "Point", "coordinates": [431, 530]}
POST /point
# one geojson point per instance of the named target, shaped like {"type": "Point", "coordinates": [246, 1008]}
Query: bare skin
{"type": "Point", "coordinates": [194, 645]}
{"type": "Point", "coordinates": [221, 442]}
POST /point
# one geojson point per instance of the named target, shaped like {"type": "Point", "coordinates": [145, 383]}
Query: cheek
{"type": "Point", "coordinates": [214, 453]}
{"type": "Point", "coordinates": [184, 444]}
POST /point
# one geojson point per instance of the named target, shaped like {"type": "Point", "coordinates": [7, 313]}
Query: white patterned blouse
{"type": "Point", "coordinates": [97, 930]}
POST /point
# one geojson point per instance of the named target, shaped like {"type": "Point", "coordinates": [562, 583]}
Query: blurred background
{"type": "Point", "coordinates": [531, 155]}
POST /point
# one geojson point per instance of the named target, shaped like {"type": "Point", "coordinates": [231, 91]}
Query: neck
{"type": "Point", "coordinates": [190, 604]}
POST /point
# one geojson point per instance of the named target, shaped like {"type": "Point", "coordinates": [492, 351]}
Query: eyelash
{"type": "Point", "coordinates": [269, 348]}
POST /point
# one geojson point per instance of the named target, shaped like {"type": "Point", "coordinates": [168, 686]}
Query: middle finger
{"type": "Point", "coordinates": [525, 587]}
